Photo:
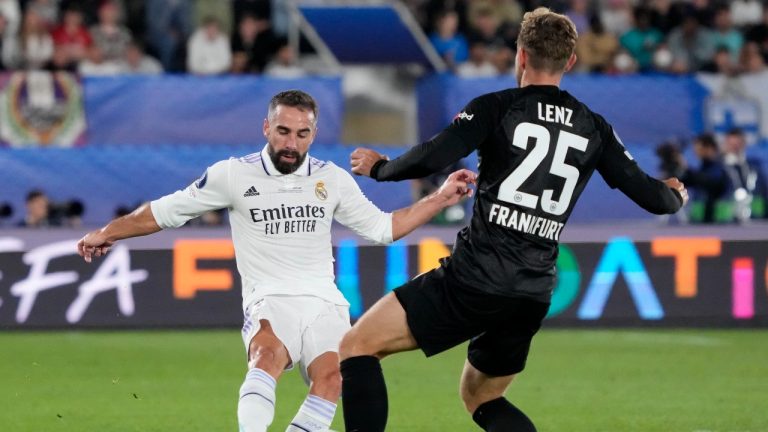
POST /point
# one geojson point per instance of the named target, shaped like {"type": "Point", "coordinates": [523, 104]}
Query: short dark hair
{"type": "Point", "coordinates": [548, 38]}
{"type": "Point", "coordinates": [293, 98]}
{"type": "Point", "coordinates": [34, 194]}
{"type": "Point", "coordinates": [735, 131]}
{"type": "Point", "coordinates": [707, 140]}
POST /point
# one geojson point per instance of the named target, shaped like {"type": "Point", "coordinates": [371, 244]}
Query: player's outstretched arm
{"type": "Point", "coordinates": [455, 187]}
{"type": "Point", "coordinates": [655, 196]}
{"type": "Point", "coordinates": [97, 243]}
{"type": "Point", "coordinates": [419, 161]}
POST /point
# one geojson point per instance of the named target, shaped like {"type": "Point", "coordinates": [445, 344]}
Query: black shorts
{"type": "Point", "coordinates": [442, 313]}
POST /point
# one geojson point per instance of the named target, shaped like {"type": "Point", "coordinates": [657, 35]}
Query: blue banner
{"type": "Point", "coordinates": [198, 110]}
{"type": "Point", "coordinates": [643, 109]}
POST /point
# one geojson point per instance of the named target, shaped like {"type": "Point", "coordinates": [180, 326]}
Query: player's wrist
{"type": "Point", "coordinates": [374, 174]}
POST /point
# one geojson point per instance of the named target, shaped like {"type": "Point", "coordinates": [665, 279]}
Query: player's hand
{"type": "Point", "coordinates": [677, 185]}
{"type": "Point", "coordinates": [363, 159]}
{"type": "Point", "coordinates": [94, 243]}
{"type": "Point", "coordinates": [456, 187]}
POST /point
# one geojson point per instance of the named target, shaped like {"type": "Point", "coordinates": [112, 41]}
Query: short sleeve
{"type": "Point", "coordinates": [209, 192]}
{"type": "Point", "coordinates": [358, 213]}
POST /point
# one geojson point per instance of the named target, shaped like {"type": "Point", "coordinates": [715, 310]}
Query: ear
{"type": "Point", "coordinates": [571, 62]}
{"type": "Point", "coordinates": [521, 58]}
{"type": "Point", "coordinates": [265, 127]}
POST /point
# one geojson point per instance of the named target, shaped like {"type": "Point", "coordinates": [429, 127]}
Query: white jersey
{"type": "Point", "coordinates": [281, 223]}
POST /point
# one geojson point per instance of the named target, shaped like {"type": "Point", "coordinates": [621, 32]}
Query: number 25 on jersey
{"type": "Point", "coordinates": [509, 190]}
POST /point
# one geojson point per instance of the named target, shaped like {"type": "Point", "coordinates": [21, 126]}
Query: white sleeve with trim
{"type": "Point", "coordinates": [358, 213]}
{"type": "Point", "coordinates": [209, 192]}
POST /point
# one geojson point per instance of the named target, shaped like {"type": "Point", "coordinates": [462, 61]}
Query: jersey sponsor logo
{"type": "Point", "coordinates": [288, 219]}
{"type": "Point", "coordinates": [200, 183]}
{"type": "Point", "coordinates": [320, 191]}
{"type": "Point", "coordinates": [251, 192]}
{"type": "Point", "coordinates": [464, 116]}
{"type": "Point", "coordinates": [524, 222]}
{"type": "Point", "coordinates": [287, 212]}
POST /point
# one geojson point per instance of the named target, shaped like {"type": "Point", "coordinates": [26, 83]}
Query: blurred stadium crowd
{"type": "Point", "coordinates": [109, 37]}
{"type": "Point", "coordinates": [476, 38]}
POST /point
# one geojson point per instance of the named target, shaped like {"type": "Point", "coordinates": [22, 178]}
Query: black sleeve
{"type": "Point", "coordinates": [651, 194]}
{"type": "Point", "coordinates": [468, 129]}
{"type": "Point", "coordinates": [620, 170]}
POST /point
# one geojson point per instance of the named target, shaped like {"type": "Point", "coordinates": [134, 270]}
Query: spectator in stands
{"type": "Point", "coordinates": [641, 41]}
{"type": "Point", "coordinates": [506, 12]}
{"type": "Point", "coordinates": [36, 206]}
{"type": "Point", "coordinates": [109, 34]}
{"type": "Point", "coordinates": [71, 39]}
{"type": "Point", "coordinates": [667, 14]}
{"type": "Point", "coordinates": [254, 8]}
{"type": "Point", "coordinates": [596, 47]}
{"type": "Point", "coordinates": [208, 50]}
{"type": "Point", "coordinates": [616, 16]}
{"type": "Point", "coordinates": [750, 190]}
{"type": "Point", "coordinates": [486, 27]}
{"type": "Point", "coordinates": [253, 45]}
{"type": "Point", "coordinates": [725, 35]}
{"type": "Point", "coordinates": [751, 60]}
{"type": "Point", "coordinates": [721, 63]}
{"type": "Point", "coordinates": [35, 41]}
{"type": "Point", "coordinates": [709, 181]}
{"type": "Point", "coordinates": [169, 23]}
{"type": "Point", "coordinates": [448, 42]}
{"type": "Point", "coordinates": [758, 34]}
{"type": "Point", "coordinates": [578, 12]}
{"type": "Point", "coordinates": [46, 10]}
{"type": "Point", "coordinates": [504, 60]}
{"type": "Point", "coordinates": [8, 46]}
{"type": "Point", "coordinates": [95, 64]}
{"type": "Point", "coordinates": [137, 62]}
{"type": "Point", "coordinates": [435, 8]}
{"type": "Point", "coordinates": [60, 61]}
{"type": "Point", "coordinates": [12, 12]}
{"type": "Point", "coordinates": [285, 63]}
{"type": "Point", "coordinates": [746, 12]}
{"type": "Point", "coordinates": [479, 64]}
{"type": "Point", "coordinates": [691, 45]}
{"type": "Point", "coordinates": [223, 11]}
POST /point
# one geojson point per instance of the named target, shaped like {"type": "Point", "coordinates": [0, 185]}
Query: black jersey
{"type": "Point", "coordinates": [537, 147]}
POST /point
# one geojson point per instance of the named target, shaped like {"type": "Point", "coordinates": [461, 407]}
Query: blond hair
{"type": "Point", "coordinates": [548, 38]}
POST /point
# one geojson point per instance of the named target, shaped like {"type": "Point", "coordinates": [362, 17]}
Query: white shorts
{"type": "Point", "coordinates": [307, 326]}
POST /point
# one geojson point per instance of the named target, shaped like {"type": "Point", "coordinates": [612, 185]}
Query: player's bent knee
{"type": "Point", "coordinates": [266, 358]}
{"type": "Point", "coordinates": [327, 385]}
{"type": "Point", "coordinates": [352, 345]}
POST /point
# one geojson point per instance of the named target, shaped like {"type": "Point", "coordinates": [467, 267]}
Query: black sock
{"type": "Point", "coordinates": [499, 415]}
{"type": "Point", "coordinates": [363, 394]}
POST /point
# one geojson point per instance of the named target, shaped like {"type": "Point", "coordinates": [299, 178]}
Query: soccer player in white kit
{"type": "Point", "coordinates": [281, 205]}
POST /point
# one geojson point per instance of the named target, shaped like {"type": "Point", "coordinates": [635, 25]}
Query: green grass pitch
{"type": "Point", "coordinates": [576, 380]}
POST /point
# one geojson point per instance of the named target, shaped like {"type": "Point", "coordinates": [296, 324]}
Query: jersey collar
{"type": "Point", "coordinates": [304, 169]}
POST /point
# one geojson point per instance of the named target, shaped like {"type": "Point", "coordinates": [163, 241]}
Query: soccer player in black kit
{"type": "Point", "coordinates": [538, 146]}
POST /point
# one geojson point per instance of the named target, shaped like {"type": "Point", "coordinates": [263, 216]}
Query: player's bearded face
{"type": "Point", "coordinates": [286, 161]}
{"type": "Point", "coordinates": [289, 132]}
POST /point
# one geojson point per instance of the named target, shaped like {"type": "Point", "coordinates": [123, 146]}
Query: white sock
{"type": "Point", "coordinates": [256, 408]}
{"type": "Point", "coordinates": [315, 415]}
